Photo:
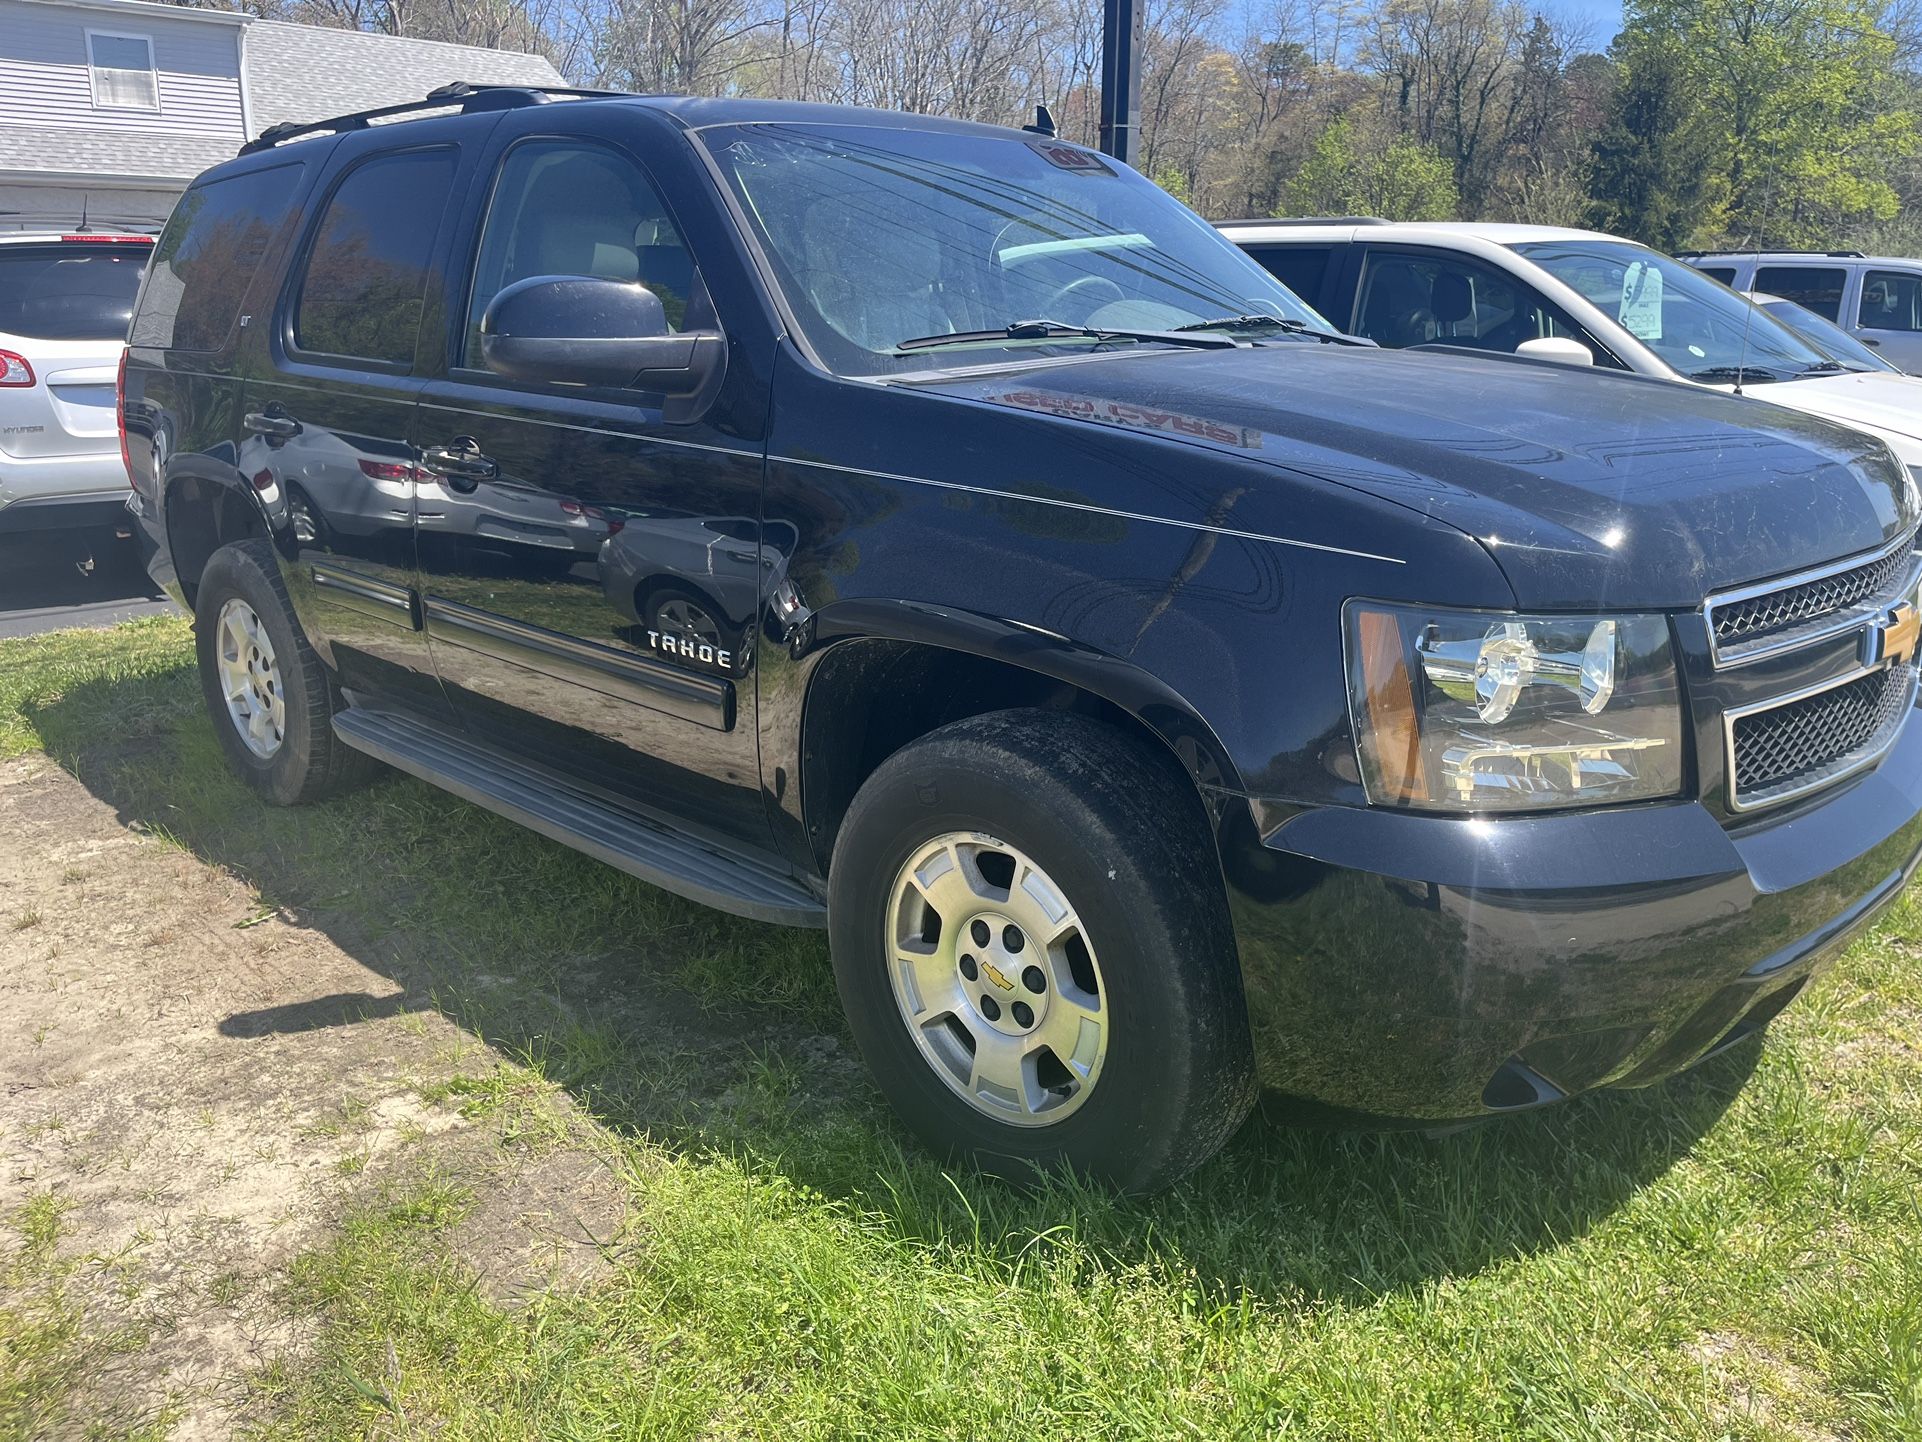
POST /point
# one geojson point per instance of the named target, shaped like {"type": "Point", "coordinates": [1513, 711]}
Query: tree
{"type": "Point", "coordinates": [1655, 174]}
{"type": "Point", "coordinates": [1402, 180]}
{"type": "Point", "coordinates": [1801, 102]}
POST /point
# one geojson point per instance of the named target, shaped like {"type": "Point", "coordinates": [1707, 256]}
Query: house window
{"type": "Point", "coordinates": [123, 71]}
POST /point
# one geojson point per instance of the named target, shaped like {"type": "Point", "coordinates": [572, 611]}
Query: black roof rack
{"type": "Point", "coordinates": [459, 95]}
{"type": "Point", "coordinates": [1306, 220]}
{"type": "Point", "coordinates": [1749, 254]}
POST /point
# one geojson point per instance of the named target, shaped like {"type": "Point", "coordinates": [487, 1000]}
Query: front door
{"type": "Point", "coordinates": [590, 561]}
{"type": "Point", "coordinates": [1890, 315]}
{"type": "Point", "coordinates": [1409, 297]}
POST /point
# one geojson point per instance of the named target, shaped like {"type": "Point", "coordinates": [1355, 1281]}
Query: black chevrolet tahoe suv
{"type": "Point", "coordinates": [936, 533]}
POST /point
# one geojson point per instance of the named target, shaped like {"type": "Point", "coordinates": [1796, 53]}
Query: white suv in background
{"type": "Point", "coordinates": [1877, 299]}
{"type": "Point", "coordinates": [65, 301]}
{"type": "Point", "coordinates": [1576, 296]}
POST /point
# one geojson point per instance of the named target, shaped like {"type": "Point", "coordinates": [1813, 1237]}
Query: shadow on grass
{"type": "Point", "coordinates": [720, 1039]}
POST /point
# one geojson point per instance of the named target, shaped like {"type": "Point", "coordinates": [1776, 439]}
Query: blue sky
{"type": "Point", "coordinates": [1602, 17]}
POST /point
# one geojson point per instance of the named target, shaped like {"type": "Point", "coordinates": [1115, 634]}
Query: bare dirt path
{"type": "Point", "coordinates": [200, 1084]}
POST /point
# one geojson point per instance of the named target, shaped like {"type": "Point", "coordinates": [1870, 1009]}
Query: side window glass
{"type": "Point", "coordinates": [564, 208]}
{"type": "Point", "coordinates": [366, 278]}
{"type": "Point", "coordinates": [1813, 287]}
{"type": "Point", "coordinates": [1421, 300]}
{"type": "Point", "coordinates": [1892, 300]}
{"type": "Point", "coordinates": [207, 257]}
{"type": "Point", "coordinates": [1723, 273]}
{"type": "Point", "coordinates": [1302, 268]}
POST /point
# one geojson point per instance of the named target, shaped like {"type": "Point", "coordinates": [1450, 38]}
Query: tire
{"type": "Point", "coordinates": [294, 758]}
{"type": "Point", "coordinates": [1118, 836]}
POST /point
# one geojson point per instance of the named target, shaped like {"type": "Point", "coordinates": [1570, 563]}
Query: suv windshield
{"type": "Point", "coordinates": [80, 290]}
{"type": "Point", "coordinates": [1694, 323]}
{"type": "Point", "coordinates": [881, 236]}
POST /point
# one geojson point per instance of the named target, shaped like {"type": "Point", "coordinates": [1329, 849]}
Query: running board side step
{"type": "Point", "coordinates": [625, 839]}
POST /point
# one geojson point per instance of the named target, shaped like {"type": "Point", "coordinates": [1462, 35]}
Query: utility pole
{"type": "Point", "coordinates": [1121, 79]}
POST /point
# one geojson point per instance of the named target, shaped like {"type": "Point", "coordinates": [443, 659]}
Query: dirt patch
{"type": "Point", "coordinates": [203, 1083]}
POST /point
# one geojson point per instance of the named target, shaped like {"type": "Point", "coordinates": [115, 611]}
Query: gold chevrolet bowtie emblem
{"type": "Point", "coordinates": [1902, 633]}
{"type": "Point", "coordinates": [997, 976]}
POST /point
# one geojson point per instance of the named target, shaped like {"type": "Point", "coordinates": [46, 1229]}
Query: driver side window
{"type": "Point", "coordinates": [1449, 300]}
{"type": "Point", "coordinates": [561, 207]}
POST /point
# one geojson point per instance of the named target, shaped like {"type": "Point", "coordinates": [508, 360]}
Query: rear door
{"type": "Point", "coordinates": [64, 309]}
{"type": "Point", "coordinates": [1305, 269]}
{"type": "Point", "coordinates": [1889, 313]}
{"type": "Point", "coordinates": [592, 581]}
{"type": "Point", "coordinates": [1818, 288]}
{"type": "Point", "coordinates": [330, 395]}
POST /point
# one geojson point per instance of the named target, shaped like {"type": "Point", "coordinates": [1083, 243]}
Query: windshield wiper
{"type": "Point", "coordinates": [1740, 375]}
{"type": "Point", "coordinates": [1048, 329]}
{"type": "Point", "coordinates": [1270, 322]}
{"type": "Point", "coordinates": [1831, 368]}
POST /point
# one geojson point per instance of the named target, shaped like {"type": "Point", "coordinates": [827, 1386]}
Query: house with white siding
{"type": "Point", "coordinates": [109, 107]}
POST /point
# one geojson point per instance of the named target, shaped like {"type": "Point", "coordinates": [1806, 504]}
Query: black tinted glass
{"type": "Point", "coordinates": [1299, 267]}
{"type": "Point", "coordinates": [74, 291]}
{"type": "Point", "coordinates": [207, 256]}
{"type": "Point", "coordinates": [367, 272]}
{"type": "Point", "coordinates": [1892, 300]}
{"type": "Point", "coordinates": [1813, 287]}
{"type": "Point", "coordinates": [1723, 273]}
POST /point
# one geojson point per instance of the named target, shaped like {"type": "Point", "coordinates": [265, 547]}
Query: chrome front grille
{"type": "Point", "coordinates": [1781, 746]}
{"type": "Point", "coordinates": [1783, 615]}
{"type": "Point", "coordinates": [1791, 747]}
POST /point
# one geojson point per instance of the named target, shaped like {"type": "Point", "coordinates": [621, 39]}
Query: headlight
{"type": "Point", "coordinates": [1481, 711]}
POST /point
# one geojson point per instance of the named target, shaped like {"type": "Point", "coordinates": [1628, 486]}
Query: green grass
{"type": "Point", "coordinates": [1734, 1255]}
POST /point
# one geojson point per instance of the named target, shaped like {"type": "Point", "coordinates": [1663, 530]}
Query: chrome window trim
{"type": "Point", "coordinates": [1845, 767]}
{"type": "Point", "coordinates": [1815, 632]}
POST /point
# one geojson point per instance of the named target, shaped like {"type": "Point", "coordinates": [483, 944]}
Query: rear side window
{"type": "Point", "coordinates": [1301, 268]}
{"type": "Point", "coordinates": [1813, 287]}
{"type": "Point", "coordinates": [207, 258]}
{"type": "Point", "coordinates": [1892, 300]}
{"type": "Point", "coordinates": [1723, 273]}
{"type": "Point", "coordinates": [76, 290]}
{"type": "Point", "coordinates": [366, 277]}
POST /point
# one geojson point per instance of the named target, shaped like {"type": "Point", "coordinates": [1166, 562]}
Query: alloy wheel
{"type": "Point", "coordinates": [250, 679]}
{"type": "Point", "coordinates": [996, 979]}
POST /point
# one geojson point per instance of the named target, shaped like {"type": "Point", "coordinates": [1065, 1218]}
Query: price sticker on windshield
{"type": "Point", "coordinates": [1070, 157]}
{"type": "Point", "coordinates": [1641, 309]}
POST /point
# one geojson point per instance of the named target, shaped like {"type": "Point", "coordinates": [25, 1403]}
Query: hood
{"type": "Point", "coordinates": [1586, 487]}
{"type": "Point", "coordinates": [1886, 405]}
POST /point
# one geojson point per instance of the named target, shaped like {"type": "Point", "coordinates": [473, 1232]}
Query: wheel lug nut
{"type": "Point", "coordinates": [968, 968]}
{"type": "Point", "coordinates": [1033, 980]}
{"type": "Point", "coordinates": [1013, 939]}
{"type": "Point", "coordinates": [990, 1008]}
{"type": "Point", "coordinates": [982, 935]}
{"type": "Point", "coordinates": [1023, 1013]}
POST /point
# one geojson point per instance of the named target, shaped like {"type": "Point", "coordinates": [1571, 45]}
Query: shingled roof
{"type": "Point", "coordinates": [302, 72]}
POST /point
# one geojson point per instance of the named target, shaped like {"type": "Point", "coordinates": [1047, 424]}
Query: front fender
{"type": "Point", "coordinates": [1147, 698]}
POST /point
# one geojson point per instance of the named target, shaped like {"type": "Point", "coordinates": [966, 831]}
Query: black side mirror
{"type": "Point", "coordinates": [578, 330]}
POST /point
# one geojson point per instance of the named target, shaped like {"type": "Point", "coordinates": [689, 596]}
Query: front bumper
{"type": "Point", "coordinates": [1441, 969]}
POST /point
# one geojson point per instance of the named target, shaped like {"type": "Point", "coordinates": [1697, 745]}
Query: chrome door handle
{"type": "Point", "coordinates": [460, 462]}
{"type": "Point", "coordinates": [274, 427]}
